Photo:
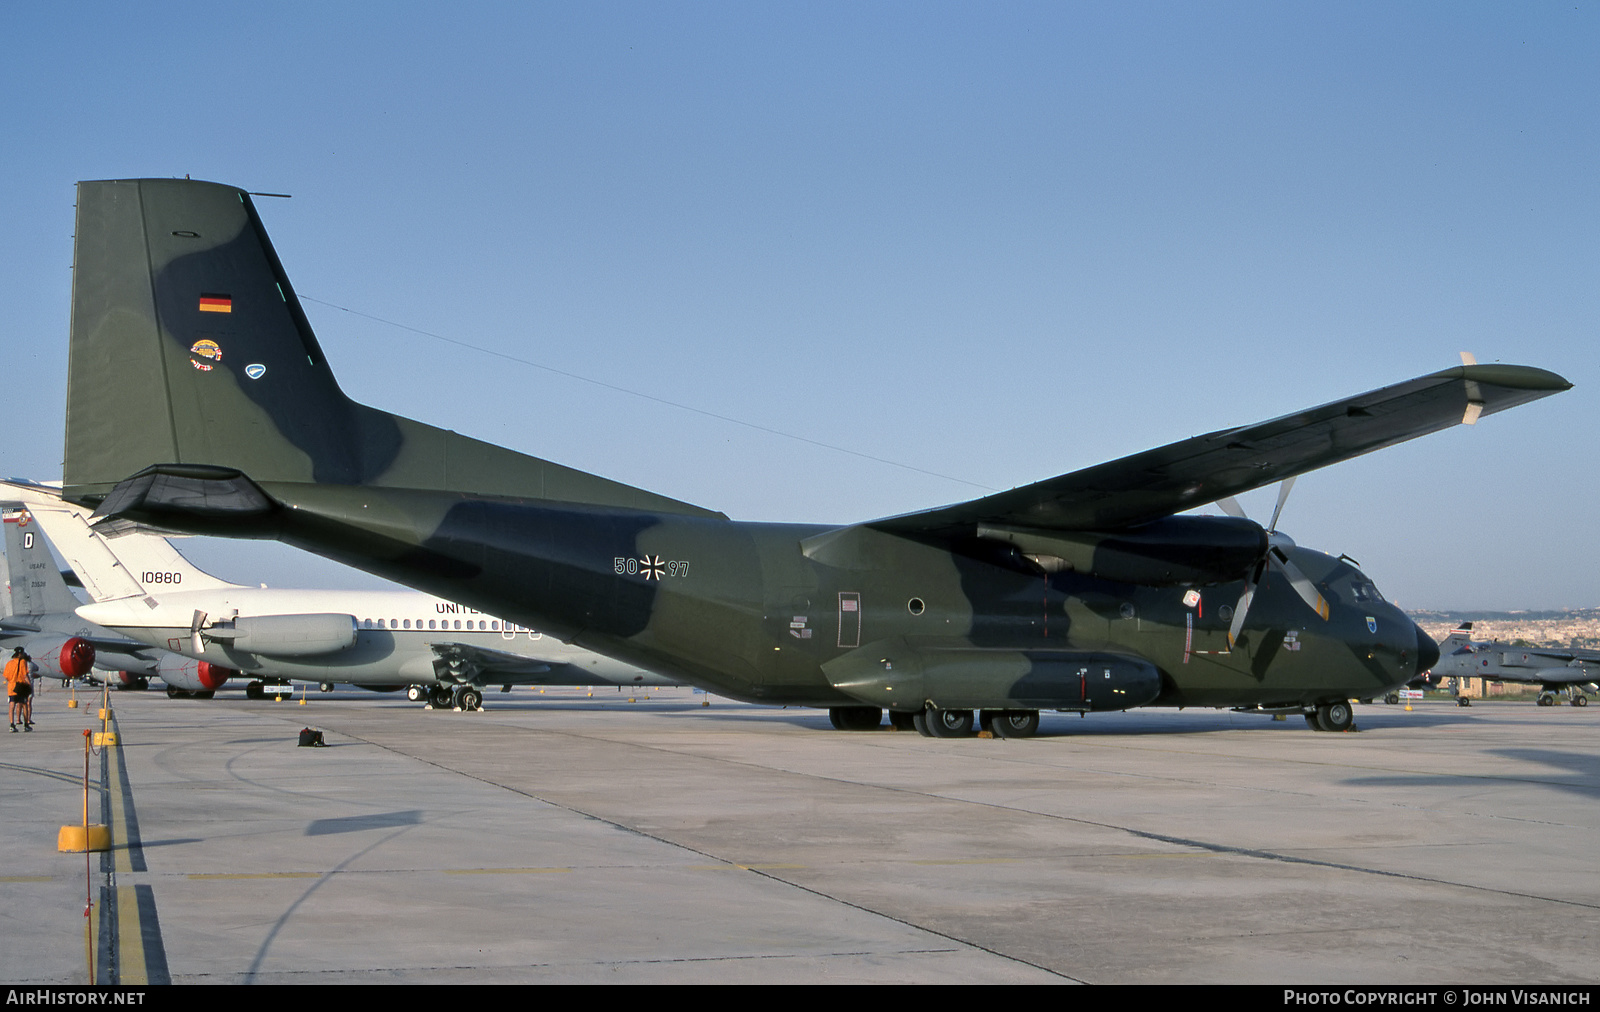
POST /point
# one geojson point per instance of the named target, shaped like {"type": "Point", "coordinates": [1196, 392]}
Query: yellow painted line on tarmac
{"type": "Point", "coordinates": [971, 860]}
{"type": "Point", "coordinates": [130, 939]}
{"type": "Point", "coordinates": [200, 877]}
{"type": "Point", "coordinates": [27, 878]}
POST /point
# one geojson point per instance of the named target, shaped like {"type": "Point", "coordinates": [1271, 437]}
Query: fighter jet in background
{"type": "Point", "coordinates": [1556, 670]}
{"type": "Point", "coordinates": [200, 401]}
{"type": "Point", "coordinates": [383, 640]}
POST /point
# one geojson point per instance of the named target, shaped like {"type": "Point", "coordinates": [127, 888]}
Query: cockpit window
{"type": "Point", "coordinates": [1364, 592]}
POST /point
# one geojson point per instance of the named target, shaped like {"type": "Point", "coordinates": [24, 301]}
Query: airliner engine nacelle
{"type": "Point", "coordinates": [286, 635]}
{"type": "Point", "coordinates": [190, 675]}
{"type": "Point", "coordinates": [62, 656]}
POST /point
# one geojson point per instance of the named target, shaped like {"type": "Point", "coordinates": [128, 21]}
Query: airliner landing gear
{"type": "Point", "coordinates": [416, 693]}
{"type": "Point", "coordinates": [469, 699]}
{"type": "Point", "coordinates": [439, 697]}
{"type": "Point", "coordinates": [326, 686]}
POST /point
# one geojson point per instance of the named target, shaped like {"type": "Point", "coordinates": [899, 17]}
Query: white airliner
{"type": "Point", "coordinates": [444, 652]}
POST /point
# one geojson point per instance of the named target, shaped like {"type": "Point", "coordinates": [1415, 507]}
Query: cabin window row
{"type": "Point", "coordinates": [405, 623]}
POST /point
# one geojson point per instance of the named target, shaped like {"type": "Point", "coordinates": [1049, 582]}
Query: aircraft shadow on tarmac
{"type": "Point", "coordinates": [1580, 773]}
{"type": "Point", "coordinates": [359, 823]}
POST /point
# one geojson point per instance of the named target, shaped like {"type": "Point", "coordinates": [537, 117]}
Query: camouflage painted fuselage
{"type": "Point", "coordinates": [741, 609]}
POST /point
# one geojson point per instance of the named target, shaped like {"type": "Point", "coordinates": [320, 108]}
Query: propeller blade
{"type": "Point", "coordinates": [1242, 609]}
{"type": "Point", "coordinates": [195, 625]}
{"type": "Point", "coordinates": [1231, 506]}
{"type": "Point", "coordinates": [1305, 588]}
{"type": "Point", "coordinates": [1283, 496]}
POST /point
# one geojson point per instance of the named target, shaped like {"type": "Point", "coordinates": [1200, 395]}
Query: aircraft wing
{"type": "Point", "coordinates": [477, 663]}
{"type": "Point", "coordinates": [118, 646]}
{"type": "Point", "coordinates": [1180, 476]}
{"type": "Point", "coordinates": [482, 665]}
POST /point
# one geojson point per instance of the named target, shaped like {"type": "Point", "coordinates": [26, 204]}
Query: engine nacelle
{"type": "Point", "coordinates": [286, 635]}
{"type": "Point", "coordinates": [61, 656]}
{"type": "Point", "coordinates": [120, 679]}
{"type": "Point", "coordinates": [191, 675]}
{"type": "Point", "coordinates": [1174, 551]}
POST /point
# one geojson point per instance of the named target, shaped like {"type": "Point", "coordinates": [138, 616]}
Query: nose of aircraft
{"type": "Point", "coordinates": [1427, 650]}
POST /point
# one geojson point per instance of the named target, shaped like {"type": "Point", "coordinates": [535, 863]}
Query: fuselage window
{"type": "Point", "coordinates": [408, 623]}
{"type": "Point", "coordinates": [394, 623]}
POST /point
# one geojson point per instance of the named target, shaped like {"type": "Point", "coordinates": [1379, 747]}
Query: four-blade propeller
{"type": "Point", "coordinates": [1277, 555]}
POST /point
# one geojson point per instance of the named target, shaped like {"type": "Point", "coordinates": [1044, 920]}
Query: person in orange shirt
{"type": "Point", "coordinates": [19, 687]}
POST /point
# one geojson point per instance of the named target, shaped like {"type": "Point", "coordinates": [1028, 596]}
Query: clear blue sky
{"type": "Point", "coordinates": [993, 241]}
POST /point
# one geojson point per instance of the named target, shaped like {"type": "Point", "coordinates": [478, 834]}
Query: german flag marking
{"type": "Point", "coordinates": [212, 303]}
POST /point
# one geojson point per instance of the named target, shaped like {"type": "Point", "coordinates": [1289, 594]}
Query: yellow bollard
{"type": "Point", "coordinates": [84, 838]}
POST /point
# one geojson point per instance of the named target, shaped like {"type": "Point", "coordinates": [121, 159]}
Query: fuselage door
{"type": "Point", "coordinates": [849, 619]}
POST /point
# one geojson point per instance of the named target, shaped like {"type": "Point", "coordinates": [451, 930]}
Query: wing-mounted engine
{"type": "Point", "coordinates": [276, 635]}
{"type": "Point", "coordinates": [61, 656]}
{"type": "Point", "coordinates": [902, 674]}
{"type": "Point", "coordinates": [1174, 551]}
{"type": "Point", "coordinates": [188, 675]}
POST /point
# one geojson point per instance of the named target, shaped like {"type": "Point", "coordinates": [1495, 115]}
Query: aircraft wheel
{"type": "Point", "coordinates": [1580, 700]}
{"type": "Point", "coordinates": [326, 686]}
{"type": "Point", "coordinates": [1463, 701]}
{"type": "Point", "coordinates": [901, 720]}
{"type": "Point", "coordinates": [1016, 723]}
{"type": "Point", "coordinates": [855, 718]}
{"type": "Point", "coordinates": [948, 723]}
{"type": "Point", "coordinates": [439, 697]}
{"type": "Point", "coordinates": [175, 693]}
{"type": "Point", "coordinates": [1392, 698]}
{"type": "Point", "coordinates": [919, 720]}
{"type": "Point", "coordinates": [470, 699]}
{"type": "Point", "coordinates": [1336, 716]}
{"type": "Point", "coordinates": [1312, 722]}
{"type": "Point", "coordinates": [416, 693]}
{"type": "Point", "coordinates": [1547, 699]}
{"type": "Point", "coordinates": [253, 691]}
{"type": "Point", "coordinates": [205, 695]}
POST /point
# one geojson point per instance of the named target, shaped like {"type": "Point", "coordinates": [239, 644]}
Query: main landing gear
{"type": "Point", "coordinates": [855, 718]}
{"type": "Point", "coordinates": [261, 690]}
{"type": "Point", "coordinates": [444, 697]}
{"type": "Point", "coordinates": [1335, 716]}
{"type": "Point", "coordinates": [936, 723]}
{"type": "Point", "coordinates": [1552, 696]}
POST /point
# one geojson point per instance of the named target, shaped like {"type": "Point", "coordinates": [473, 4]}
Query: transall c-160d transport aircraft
{"type": "Point", "coordinates": [200, 400]}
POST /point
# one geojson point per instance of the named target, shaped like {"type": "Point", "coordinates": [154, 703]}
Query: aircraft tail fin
{"type": "Point", "coordinates": [129, 565]}
{"type": "Point", "coordinates": [37, 586]}
{"type": "Point", "coordinates": [190, 352]}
